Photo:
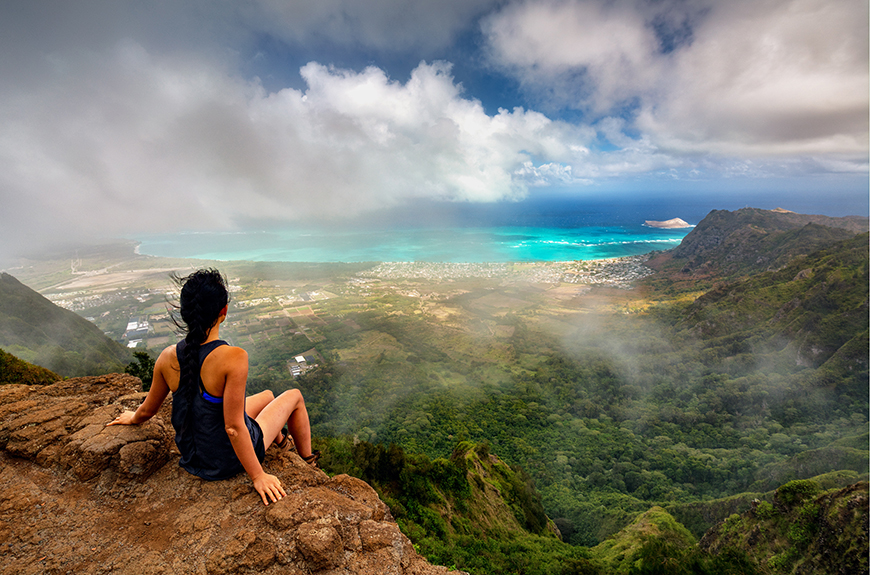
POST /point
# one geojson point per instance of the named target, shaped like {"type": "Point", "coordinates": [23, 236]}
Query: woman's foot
{"type": "Point", "coordinates": [283, 439]}
{"type": "Point", "coordinates": [312, 459]}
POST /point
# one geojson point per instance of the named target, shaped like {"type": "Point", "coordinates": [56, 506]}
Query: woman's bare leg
{"type": "Point", "coordinates": [288, 408]}
{"type": "Point", "coordinates": [254, 404]}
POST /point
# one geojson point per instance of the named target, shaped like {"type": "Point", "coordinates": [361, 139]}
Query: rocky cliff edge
{"type": "Point", "coordinates": [79, 497]}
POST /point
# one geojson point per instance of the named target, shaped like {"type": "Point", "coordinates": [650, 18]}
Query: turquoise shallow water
{"type": "Point", "coordinates": [430, 244]}
{"type": "Point", "coordinates": [541, 228]}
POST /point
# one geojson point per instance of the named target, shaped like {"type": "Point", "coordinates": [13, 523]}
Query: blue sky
{"type": "Point", "coordinates": [126, 117]}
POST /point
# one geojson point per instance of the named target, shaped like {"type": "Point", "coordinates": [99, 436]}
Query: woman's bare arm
{"type": "Point", "coordinates": [156, 395]}
{"type": "Point", "coordinates": [234, 362]}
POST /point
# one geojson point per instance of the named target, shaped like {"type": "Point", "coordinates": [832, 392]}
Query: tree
{"type": "Point", "coordinates": [143, 368]}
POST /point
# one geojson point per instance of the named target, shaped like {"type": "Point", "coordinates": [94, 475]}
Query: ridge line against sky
{"type": "Point", "coordinates": [125, 117]}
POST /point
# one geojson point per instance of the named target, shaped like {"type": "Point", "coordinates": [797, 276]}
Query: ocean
{"type": "Point", "coordinates": [458, 244]}
{"type": "Point", "coordinates": [540, 229]}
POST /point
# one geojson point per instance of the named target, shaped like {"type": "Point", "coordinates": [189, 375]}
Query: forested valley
{"type": "Point", "coordinates": [615, 403]}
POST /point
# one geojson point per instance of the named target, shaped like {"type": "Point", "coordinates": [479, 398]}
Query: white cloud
{"type": "Point", "coordinates": [134, 141]}
{"type": "Point", "coordinates": [747, 76]}
{"type": "Point", "coordinates": [594, 54]}
{"type": "Point", "coordinates": [770, 78]}
{"type": "Point", "coordinates": [547, 174]}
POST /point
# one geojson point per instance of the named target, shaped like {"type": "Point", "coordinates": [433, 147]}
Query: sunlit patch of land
{"type": "Point", "coordinates": [112, 284]}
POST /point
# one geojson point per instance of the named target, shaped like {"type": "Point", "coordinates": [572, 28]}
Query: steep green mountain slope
{"type": "Point", "coordinates": [748, 240]}
{"type": "Point", "coordinates": [471, 510]}
{"type": "Point", "coordinates": [794, 300]}
{"type": "Point", "coordinates": [476, 513]}
{"type": "Point", "coordinates": [811, 313]}
{"type": "Point", "coordinates": [35, 330]}
{"type": "Point", "coordinates": [14, 370]}
{"type": "Point", "coordinates": [804, 530]}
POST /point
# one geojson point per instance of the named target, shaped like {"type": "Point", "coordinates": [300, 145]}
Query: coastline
{"type": "Point", "coordinates": [456, 245]}
{"type": "Point", "coordinates": [111, 288]}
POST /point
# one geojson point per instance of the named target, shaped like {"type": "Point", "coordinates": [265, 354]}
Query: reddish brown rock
{"type": "Point", "coordinates": [79, 497]}
{"type": "Point", "coordinates": [319, 542]}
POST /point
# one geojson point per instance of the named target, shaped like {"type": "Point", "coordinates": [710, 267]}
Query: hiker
{"type": "Point", "coordinates": [219, 431]}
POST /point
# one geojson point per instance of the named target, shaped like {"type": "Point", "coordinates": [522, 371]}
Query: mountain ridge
{"type": "Point", "coordinates": [36, 330]}
{"type": "Point", "coordinates": [726, 243]}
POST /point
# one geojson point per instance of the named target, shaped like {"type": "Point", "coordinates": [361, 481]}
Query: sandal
{"type": "Point", "coordinates": [312, 459]}
{"type": "Point", "coordinates": [285, 438]}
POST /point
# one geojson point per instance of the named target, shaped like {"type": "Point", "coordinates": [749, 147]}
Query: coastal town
{"type": "Point", "coordinates": [613, 272]}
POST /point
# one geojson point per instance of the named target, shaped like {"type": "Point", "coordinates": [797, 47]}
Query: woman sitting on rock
{"type": "Point", "coordinates": [219, 431]}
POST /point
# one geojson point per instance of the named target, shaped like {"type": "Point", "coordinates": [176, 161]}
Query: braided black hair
{"type": "Point", "coordinates": [204, 294]}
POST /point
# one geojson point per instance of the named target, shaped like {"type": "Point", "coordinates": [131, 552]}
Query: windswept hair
{"type": "Point", "coordinates": [204, 294]}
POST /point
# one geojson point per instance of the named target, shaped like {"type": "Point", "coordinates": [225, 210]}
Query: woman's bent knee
{"type": "Point", "coordinates": [292, 395]}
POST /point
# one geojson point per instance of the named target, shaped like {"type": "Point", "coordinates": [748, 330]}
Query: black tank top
{"type": "Point", "coordinates": [200, 433]}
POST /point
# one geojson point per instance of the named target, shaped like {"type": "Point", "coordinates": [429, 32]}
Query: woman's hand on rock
{"type": "Point", "coordinates": [269, 487]}
{"type": "Point", "coordinates": [126, 418]}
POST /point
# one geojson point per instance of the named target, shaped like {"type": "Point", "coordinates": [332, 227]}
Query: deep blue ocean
{"type": "Point", "coordinates": [549, 229]}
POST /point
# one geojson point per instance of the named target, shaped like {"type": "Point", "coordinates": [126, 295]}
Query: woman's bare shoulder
{"type": "Point", "coordinates": [168, 356]}
{"type": "Point", "coordinates": [231, 352]}
{"type": "Point", "coordinates": [223, 360]}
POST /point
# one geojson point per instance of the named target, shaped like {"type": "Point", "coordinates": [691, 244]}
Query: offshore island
{"type": "Point", "coordinates": [672, 224]}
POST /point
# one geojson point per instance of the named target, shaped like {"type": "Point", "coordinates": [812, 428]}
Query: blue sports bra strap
{"type": "Point", "coordinates": [210, 398]}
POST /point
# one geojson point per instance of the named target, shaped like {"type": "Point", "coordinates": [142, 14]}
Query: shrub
{"type": "Point", "coordinates": [764, 510]}
{"type": "Point", "coordinates": [793, 492]}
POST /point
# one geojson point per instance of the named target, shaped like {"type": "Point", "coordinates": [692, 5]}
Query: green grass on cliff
{"type": "Point", "coordinates": [17, 371]}
{"type": "Point", "coordinates": [804, 529]}
{"type": "Point", "coordinates": [471, 511]}
{"type": "Point", "coordinates": [34, 329]}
